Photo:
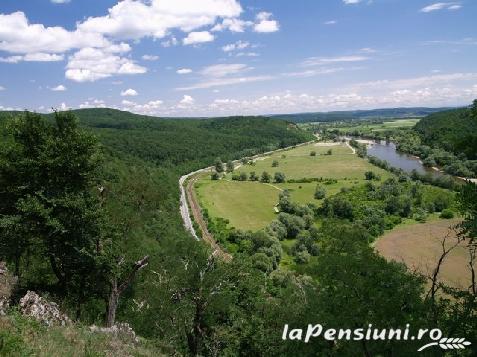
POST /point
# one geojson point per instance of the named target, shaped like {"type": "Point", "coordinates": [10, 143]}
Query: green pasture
{"type": "Point", "coordinates": [250, 205]}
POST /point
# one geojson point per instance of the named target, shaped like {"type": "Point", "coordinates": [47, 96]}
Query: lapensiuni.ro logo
{"type": "Point", "coordinates": [375, 334]}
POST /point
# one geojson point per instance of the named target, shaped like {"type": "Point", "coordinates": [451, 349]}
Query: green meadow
{"type": "Point", "coordinates": [250, 205]}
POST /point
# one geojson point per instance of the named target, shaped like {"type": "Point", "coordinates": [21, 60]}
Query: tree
{"type": "Point", "coordinates": [275, 163]}
{"type": "Point", "coordinates": [243, 176]}
{"type": "Point", "coordinates": [370, 175]}
{"type": "Point", "coordinates": [279, 177]}
{"type": "Point", "coordinates": [320, 192]}
{"type": "Point", "coordinates": [230, 166]}
{"type": "Point", "coordinates": [312, 153]}
{"type": "Point", "coordinates": [253, 176]}
{"type": "Point", "coordinates": [265, 177]}
{"type": "Point", "coordinates": [215, 176]}
{"type": "Point", "coordinates": [50, 201]}
{"type": "Point", "coordinates": [329, 152]}
{"type": "Point", "coordinates": [219, 166]}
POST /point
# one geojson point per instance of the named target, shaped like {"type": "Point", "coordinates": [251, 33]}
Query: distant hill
{"type": "Point", "coordinates": [185, 143]}
{"type": "Point", "coordinates": [453, 130]}
{"type": "Point", "coordinates": [388, 113]}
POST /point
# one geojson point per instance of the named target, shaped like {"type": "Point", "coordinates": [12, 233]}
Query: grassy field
{"type": "Point", "coordinates": [250, 205]}
{"type": "Point", "coordinates": [369, 127]}
{"type": "Point", "coordinates": [419, 247]}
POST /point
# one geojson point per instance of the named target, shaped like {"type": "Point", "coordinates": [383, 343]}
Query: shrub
{"type": "Point", "coordinates": [279, 177]}
{"type": "Point", "coordinates": [275, 163]}
{"type": "Point", "coordinates": [215, 176]}
{"type": "Point", "coordinates": [320, 192]}
{"type": "Point", "coordinates": [302, 257]}
{"type": "Point", "coordinates": [312, 153]}
{"type": "Point", "coordinates": [447, 213]}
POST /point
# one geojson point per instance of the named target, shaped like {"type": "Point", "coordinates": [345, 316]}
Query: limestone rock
{"type": "Point", "coordinates": [42, 310]}
{"type": "Point", "coordinates": [121, 330]}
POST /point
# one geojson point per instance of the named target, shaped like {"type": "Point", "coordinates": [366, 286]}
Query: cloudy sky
{"type": "Point", "coordinates": [226, 57]}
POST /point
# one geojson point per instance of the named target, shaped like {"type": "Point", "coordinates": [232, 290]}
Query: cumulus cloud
{"type": "Point", "coordinates": [233, 25]}
{"type": "Point", "coordinates": [351, 2]}
{"type": "Point", "coordinates": [136, 19]}
{"type": "Point", "coordinates": [59, 88]}
{"type": "Point", "coordinates": [17, 35]}
{"type": "Point", "coordinates": [149, 108]}
{"type": "Point", "coordinates": [129, 93]}
{"type": "Point", "coordinates": [187, 100]}
{"type": "Point", "coordinates": [93, 103]}
{"type": "Point", "coordinates": [331, 22]}
{"type": "Point", "coordinates": [441, 6]}
{"type": "Point", "coordinates": [90, 64]}
{"type": "Point", "coordinates": [60, 1]}
{"type": "Point", "coordinates": [264, 23]}
{"type": "Point", "coordinates": [198, 37]}
{"type": "Point", "coordinates": [2, 88]}
{"type": "Point", "coordinates": [184, 71]}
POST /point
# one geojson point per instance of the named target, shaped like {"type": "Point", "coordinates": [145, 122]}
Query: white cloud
{"type": "Point", "coordinates": [17, 35]}
{"type": "Point", "coordinates": [59, 88]}
{"type": "Point", "coordinates": [129, 93]}
{"type": "Point", "coordinates": [331, 22]}
{"type": "Point", "coordinates": [93, 103]}
{"type": "Point", "coordinates": [317, 61]}
{"type": "Point", "coordinates": [33, 57]}
{"type": "Point", "coordinates": [91, 64]}
{"type": "Point", "coordinates": [170, 42]}
{"type": "Point", "coordinates": [468, 41]}
{"type": "Point", "coordinates": [351, 2]}
{"type": "Point", "coordinates": [60, 1]}
{"type": "Point", "coordinates": [247, 54]}
{"type": "Point", "coordinates": [239, 45]}
{"type": "Point", "coordinates": [233, 25]}
{"type": "Point", "coordinates": [441, 6]}
{"type": "Point", "coordinates": [222, 70]}
{"type": "Point", "coordinates": [198, 37]}
{"type": "Point", "coordinates": [223, 75]}
{"type": "Point", "coordinates": [187, 100]}
{"type": "Point", "coordinates": [136, 19]}
{"type": "Point", "coordinates": [2, 88]}
{"type": "Point", "coordinates": [150, 58]}
{"type": "Point", "coordinates": [184, 71]}
{"type": "Point", "coordinates": [149, 108]}
{"type": "Point", "coordinates": [265, 24]}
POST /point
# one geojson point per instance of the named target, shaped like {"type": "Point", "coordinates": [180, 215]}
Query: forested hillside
{"type": "Point", "coordinates": [453, 130]}
{"type": "Point", "coordinates": [388, 113]}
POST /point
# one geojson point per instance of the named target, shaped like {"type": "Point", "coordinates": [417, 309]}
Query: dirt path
{"type": "Point", "coordinates": [352, 148]}
{"type": "Point", "coordinates": [199, 219]}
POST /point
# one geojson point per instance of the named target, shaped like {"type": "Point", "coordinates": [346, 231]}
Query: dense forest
{"type": "Point", "coordinates": [89, 217]}
{"type": "Point", "coordinates": [453, 130]}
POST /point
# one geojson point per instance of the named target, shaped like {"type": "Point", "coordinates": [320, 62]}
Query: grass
{"type": "Point", "coordinates": [21, 336]}
{"type": "Point", "coordinates": [418, 246]}
{"type": "Point", "coordinates": [250, 205]}
{"type": "Point", "coordinates": [368, 127]}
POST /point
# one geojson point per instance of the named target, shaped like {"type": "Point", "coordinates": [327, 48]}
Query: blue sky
{"type": "Point", "coordinates": [227, 57]}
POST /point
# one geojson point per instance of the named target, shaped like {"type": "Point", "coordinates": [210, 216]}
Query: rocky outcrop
{"type": "Point", "coordinates": [120, 330]}
{"type": "Point", "coordinates": [42, 310]}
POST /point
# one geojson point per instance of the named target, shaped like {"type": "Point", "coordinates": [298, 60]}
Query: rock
{"type": "Point", "coordinates": [121, 330]}
{"type": "Point", "coordinates": [42, 310]}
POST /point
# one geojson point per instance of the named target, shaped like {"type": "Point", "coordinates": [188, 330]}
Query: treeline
{"type": "Point", "coordinates": [454, 131]}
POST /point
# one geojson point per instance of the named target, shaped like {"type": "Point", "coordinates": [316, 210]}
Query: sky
{"type": "Point", "coordinates": [236, 57]}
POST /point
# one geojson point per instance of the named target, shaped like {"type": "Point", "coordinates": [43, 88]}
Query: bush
{"type": "Point", "coordinates": [253, 176]}
{"type": "Point", "coordinates": [279, 177]}
{"type": "Point", "coordinates": [312, 153]}
{"type": "Point", "coordinates": [447, 214]}
{"type": "Point", "coordinates": [302, 257]}
{"type": "Point", "coordinates": [275, 163]}
{"type": "Point", "coordinates": [265, 177]}
{"type": "Point", "coordinates": [243, 176]}
{"type": "Point", "coordinates": [215, 176]}
{"type": "Point", "coordinates": [320, 192]}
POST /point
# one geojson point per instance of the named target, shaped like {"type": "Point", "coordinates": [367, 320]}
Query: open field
{"type": "Point", "coordinates": [419, 247]}
{"type": "Point", "coordinates": [297, 163]}
{"type": "Point", "coordinates": [250, 205]}
{"type": "Point", "coordinates": [369, 127]}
